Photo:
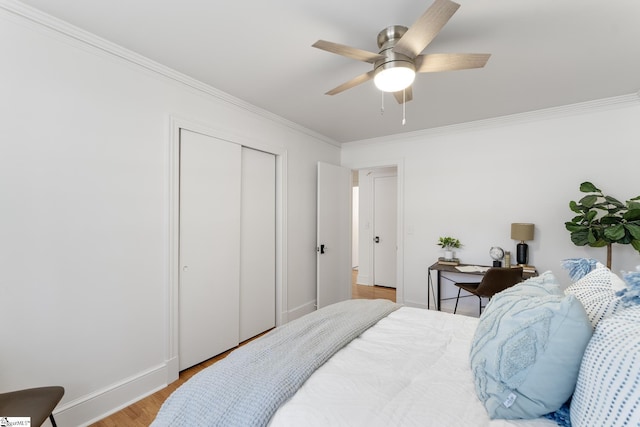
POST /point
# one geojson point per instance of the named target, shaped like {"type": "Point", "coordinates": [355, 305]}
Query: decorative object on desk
{"type": "Point", "coordinates": [507, 259]}
{"type": "Point", "coordinates": [496, 253]}
{"type": "Point", "coordinates": [603, 220]}
{"type": "Point", "coordinates": [523, 232]}
{"type": "Point", "coordinates": [449, 244]}
{"type": "Point", "coordinates": [473, 269]}
{"type": "Point", "coordinates": [526, 268]}
{"type": "Point", "coordinates": [452, 261]}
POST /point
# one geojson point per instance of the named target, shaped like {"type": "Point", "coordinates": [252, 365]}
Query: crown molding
{"type": "Point", "coordinates": [98, 44]}
{"type": "Point", "coordinates": [93, 41]}
{"type": "Point", "coordinates": [530, 116]}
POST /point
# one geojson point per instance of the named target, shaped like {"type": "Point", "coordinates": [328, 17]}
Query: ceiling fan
{"type": "Point", "coordinates": [399, 58]}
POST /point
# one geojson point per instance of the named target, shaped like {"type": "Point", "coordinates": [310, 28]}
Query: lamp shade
{"type": "Point", "coordinates": [522, 231]}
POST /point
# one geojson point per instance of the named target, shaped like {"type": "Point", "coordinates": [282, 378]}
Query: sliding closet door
{"type": "Point", "coordinates": [210, 183]}
{"type": "Point", "coordinates": [258, 256]}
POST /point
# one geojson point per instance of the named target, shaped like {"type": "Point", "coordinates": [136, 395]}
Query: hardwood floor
{"type": "Point", "coordinates": [370, 292]}
{"type": "Point", "coordinates": [143, 412]}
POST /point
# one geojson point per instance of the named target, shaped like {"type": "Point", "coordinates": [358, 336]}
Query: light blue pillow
{"type": "Point", "coordinates": [527, 349]}
{"type": "Point", "coordinates": [544, 284]}
{"type": "Point", "coordinates": [608, 389]}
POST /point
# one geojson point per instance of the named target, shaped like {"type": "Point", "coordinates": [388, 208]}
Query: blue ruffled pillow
{"type": "Point", "coordinates": [578, 267]}
{"type": "Point", "coordinates": [631, 295]}
{"type": "Point", "coordinates": [562, 416]}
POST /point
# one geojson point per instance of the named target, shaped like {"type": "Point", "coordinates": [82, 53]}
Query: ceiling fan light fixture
{"type": "Point", "coordinates": [394, 76]}
{"type": "Point", "coordinates": [399, 56]}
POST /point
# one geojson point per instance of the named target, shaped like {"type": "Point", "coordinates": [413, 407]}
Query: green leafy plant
{"type": "Point", "coordinates": [604, 220]}
{"type": "Point", "coordinates": [449, 243]}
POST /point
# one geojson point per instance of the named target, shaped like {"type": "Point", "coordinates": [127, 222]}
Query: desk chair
{"type": "Point", "coordinates": [37, 403]}
{"type": "Point", "coordinates": [496, 279]}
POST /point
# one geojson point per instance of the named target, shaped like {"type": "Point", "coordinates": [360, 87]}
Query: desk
{"type": "Point", "coordinates": [440, 268]}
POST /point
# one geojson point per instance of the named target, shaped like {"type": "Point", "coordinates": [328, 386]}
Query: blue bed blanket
{"type": "Point", "coordinates": [247, 387]}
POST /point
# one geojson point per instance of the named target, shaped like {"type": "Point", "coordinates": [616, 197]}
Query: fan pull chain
{"type": "Point", "coordinates": [404, 107]}
{"type": "Point", "coordinates": [382, 105]}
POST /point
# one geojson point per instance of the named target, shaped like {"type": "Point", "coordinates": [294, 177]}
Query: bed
{"type": "Point", "coordinates": [410, 369]}
{"type": "Point", "coordinates": [375, 363]}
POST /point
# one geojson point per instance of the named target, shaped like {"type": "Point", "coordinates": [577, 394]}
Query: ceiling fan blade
{"type": "Point", "coordinates": [351, 83]}
{"type": "Point", "coordinates": [435, 62]}
{"type": "Point", "coordinates": [408, 95]}
{"type": "Point", "coordinates": [348, 51]}
{"type": "Point", "coordinates": [426, 28]}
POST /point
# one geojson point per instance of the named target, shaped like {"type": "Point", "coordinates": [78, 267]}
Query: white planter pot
{"type": "Point", "coordinates": [449, 255]}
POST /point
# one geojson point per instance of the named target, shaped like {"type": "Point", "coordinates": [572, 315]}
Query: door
{"type": "Point", "coordinates": [385, 235]}
{"type": "Point", "coordinates": [258, 243]}
{"type": "Point", "coordinates": [210, 184]}
{"type": "Point", "coordinates": [333, 257]}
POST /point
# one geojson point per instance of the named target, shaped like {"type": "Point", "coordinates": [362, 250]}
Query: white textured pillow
{"type": "Point", "coordinates": [608, 388]}
{"type": "Point", "coordinates": [617, 283]}
{"type": "Point", "coordinates": [527, 349]}
{"type": "Point", "coordinates": [597, 293]}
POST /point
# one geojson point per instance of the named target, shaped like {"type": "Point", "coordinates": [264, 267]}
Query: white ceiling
{"type": "Point", "coordinates": [545, 53]}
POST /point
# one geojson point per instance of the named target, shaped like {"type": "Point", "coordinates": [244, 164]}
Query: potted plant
{"type": "Point", "coordinates": [449, 244]}
{"type": "Point", "coordinates": [603, 220]}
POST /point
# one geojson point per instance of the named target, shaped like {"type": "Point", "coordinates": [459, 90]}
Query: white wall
{"type": "Point", "coordinates": [472, 181]}
{"type": "Point", "coordinates": [84, 186]}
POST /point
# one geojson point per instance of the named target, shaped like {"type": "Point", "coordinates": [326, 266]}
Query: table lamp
{"type": "Point", "coordinates": [523, 232]}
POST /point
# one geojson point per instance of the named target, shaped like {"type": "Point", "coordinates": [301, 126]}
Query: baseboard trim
{"type": "Point", "coordinates": [415, 304]}
{"type": "Point", "coordinates": [93, 407]}
{"type": "Point", "coordinates": [301, 310]}
{"type": "Point", "coordinates": [363, 279]}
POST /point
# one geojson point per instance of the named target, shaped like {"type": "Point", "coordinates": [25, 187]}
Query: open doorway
{"type": "Point", "coordinates": [375, 239]}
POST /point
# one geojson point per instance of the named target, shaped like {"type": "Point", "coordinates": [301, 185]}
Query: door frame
{"type": "Point", "coordinates": [399, 165]}
{"type": "Point", "coordinates": [173, 229]}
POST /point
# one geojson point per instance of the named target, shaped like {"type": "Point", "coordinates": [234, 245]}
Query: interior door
{"type": "Point", "coordinates": [333, 235]}
{"type": "Point", "coordinates": [258, 245]}
{"type": "Point", "coordinates": [209, 247]}
{"type": "Point", "coordinates": [385, 246]}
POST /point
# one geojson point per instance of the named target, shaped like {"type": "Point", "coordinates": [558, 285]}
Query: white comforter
{"type": "Point", "coordinates": [410, 369]}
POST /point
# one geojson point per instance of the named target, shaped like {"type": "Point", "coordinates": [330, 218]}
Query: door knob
{"type": "Point", "coordinates": [377, 239]}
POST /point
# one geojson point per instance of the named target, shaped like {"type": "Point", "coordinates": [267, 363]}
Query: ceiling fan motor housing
{"type": "Point", "coordinates": [387, 39]}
